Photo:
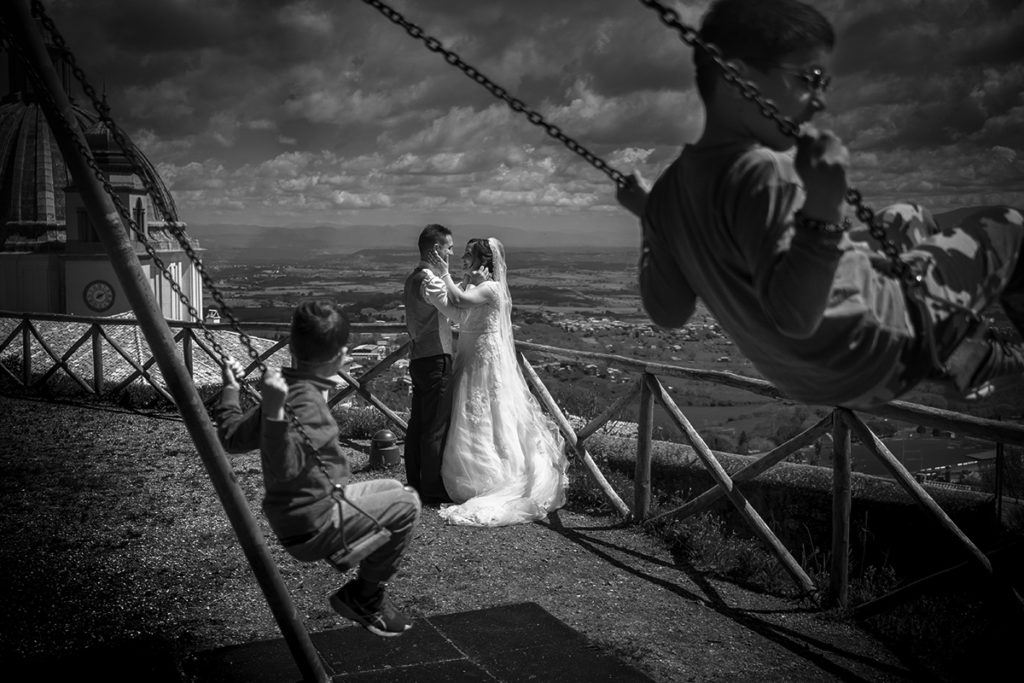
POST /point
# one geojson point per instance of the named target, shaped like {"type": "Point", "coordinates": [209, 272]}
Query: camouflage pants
{"type": "Point", "coordinates": [965, 268]}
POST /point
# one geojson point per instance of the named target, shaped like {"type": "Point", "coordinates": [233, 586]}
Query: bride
{"type": "Point", "coordinates": [504, 460]}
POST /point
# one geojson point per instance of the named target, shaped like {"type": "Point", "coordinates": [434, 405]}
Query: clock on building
{"type": "Point", "coordinates": [98, 295]}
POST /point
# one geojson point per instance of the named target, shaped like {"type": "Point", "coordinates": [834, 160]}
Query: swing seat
{"type": "Point", "coordinates": [351, 555]}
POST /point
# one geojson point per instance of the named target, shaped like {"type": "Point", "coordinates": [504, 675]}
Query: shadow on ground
{"type": "Point", "coordinates": [518, 642]}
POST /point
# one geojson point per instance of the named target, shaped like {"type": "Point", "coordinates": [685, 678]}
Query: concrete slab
{"type": "Point", "coordinates": [518, 642]}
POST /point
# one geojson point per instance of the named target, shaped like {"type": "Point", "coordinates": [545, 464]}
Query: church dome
{"type": "Point", "coordinates": [33, 175]}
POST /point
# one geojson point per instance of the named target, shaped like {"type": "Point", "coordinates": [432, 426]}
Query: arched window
{"type": "Point", "coordinates": [140, 218]}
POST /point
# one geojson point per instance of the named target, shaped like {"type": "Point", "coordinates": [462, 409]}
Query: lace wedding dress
{"type": "Point", "coordinates": [504, 460]}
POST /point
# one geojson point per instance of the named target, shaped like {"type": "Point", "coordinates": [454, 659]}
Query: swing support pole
{"type": "Point", "coordinates": [126, 264]}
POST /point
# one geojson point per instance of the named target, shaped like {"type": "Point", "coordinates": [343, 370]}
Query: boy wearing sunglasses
{"type": "Point", "coordinates": [749, 220]}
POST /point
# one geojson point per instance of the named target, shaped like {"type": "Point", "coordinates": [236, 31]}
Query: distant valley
{"type": "Point", "coordinates": [262, 241]}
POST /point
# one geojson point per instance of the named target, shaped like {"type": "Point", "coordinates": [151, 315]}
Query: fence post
{"type": "Point", "coordinates": [839, 589]}
{"type": "Point", "coordinates": [725, 482]}
{"type": "Point", "coordinates": [97, 359]}
{"type": "Point", "coordinates": [905, 479]}
{"type": "Point", "coordinates": [644, 435]}
{"type": "Point", "coordinates": [26, 353]}
{"type": "Point", "coordinates": [544, 396]}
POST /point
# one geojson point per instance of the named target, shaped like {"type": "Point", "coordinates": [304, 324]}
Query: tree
{"type": "Point", "coordinates": [743, 443]}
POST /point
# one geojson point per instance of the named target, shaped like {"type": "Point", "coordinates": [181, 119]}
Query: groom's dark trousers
{"type": "Point", "coordinates": [430, 368]}
{"type": "Point", "coordinates": [428, 426]}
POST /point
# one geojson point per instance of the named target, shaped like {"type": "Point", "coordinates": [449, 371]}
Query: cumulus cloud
{"type": "Point", "coordinates": [1004, 153]}
{"type": "Point", "coordinates": [547, 196]}
{"type": "Point", "coordinates": [315, 105]}
{"type": "Point", "coordinates": [350, 200]}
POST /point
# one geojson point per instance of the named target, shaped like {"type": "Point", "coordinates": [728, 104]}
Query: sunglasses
{"type": "Point", "coordinates": [813, 77]}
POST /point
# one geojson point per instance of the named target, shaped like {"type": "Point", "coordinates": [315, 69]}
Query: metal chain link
{"type": "Point", "coordinates": [156, 195]}
{"type": "Point", "coordinates": [517, 105]}
{"type": "Point", "coordinates": [853, 197]}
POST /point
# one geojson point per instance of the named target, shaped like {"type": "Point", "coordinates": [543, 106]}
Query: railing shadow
{"type": "Point", "coordinates": [798, 644]}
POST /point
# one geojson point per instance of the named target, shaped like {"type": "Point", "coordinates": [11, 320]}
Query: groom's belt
{"type": "Point", "coordinates": [433, 355]}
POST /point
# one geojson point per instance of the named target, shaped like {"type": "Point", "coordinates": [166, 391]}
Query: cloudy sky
{"type": "Point", "coordinates": [324, 112]}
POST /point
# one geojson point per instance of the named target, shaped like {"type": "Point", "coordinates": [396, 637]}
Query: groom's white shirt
{"type": "Point", "coordinates": [436, 292]}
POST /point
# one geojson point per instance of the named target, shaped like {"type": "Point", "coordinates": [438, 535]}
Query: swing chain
{"type": "Point", "coordinates": [690, 36]}
{"type": "Point", "coordinates": [517, 105]}
{"type": "Point", "coordinates": [749, 91]}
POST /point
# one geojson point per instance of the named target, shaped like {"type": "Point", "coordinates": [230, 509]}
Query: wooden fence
{"type": "Point", "coordinates": [199, 355]}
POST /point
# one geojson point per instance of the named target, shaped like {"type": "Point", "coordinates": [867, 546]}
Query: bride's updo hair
{"type": "Point", "coordinates": [480, 250]}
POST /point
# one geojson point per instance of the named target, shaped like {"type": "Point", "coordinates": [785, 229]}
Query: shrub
{"type": "Point", "coordinates": [584, 494]}
{"type": "Point", "coordinates": [706, 543]}
{"type": "Point", "coordinates": [360, 422]}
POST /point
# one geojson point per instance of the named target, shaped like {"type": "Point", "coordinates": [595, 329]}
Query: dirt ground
{"type": "Point", "coordinates": [112, 535]}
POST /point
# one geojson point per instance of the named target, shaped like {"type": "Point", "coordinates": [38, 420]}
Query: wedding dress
{"type": "Point", "coordinates": [504, 460]}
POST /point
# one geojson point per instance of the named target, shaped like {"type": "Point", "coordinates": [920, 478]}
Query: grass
{"type": "Point", "coordinates": [949, 631]}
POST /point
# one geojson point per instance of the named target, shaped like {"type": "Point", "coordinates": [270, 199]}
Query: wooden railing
{"type": "Point", "coordinates": [647, 388]}
{"type": "Point", "coordinates": [110, 367]}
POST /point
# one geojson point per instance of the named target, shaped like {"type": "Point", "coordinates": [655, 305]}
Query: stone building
{"type": "Point", "coordinates": [51, 258]}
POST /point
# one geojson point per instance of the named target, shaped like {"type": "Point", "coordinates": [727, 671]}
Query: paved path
{"type": "Point", "coordinates": [508, 643]}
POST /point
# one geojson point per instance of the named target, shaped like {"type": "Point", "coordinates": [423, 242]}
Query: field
{"type": "Point", "coordinates": [263, 286]}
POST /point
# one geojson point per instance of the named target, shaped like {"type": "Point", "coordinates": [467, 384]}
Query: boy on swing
{"type": "Point", "coordinates": [754, 228]}
{"type": "Point", "coordinates": [308, 519]}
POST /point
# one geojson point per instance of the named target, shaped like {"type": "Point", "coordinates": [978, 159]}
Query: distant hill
{"type": "Point", "coordinates": [350, 238]}
{"type": "Point", "coordinates": [344, 239]}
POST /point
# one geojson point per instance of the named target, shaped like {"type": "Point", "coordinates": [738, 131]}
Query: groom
{"type": "Point", "coordinates": [430, 367]}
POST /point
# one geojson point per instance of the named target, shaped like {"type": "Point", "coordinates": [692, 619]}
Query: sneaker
{"type": "Point", "coordinates": [977, 365]}
{"type": "Point", "coordinates": [381, 619]}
